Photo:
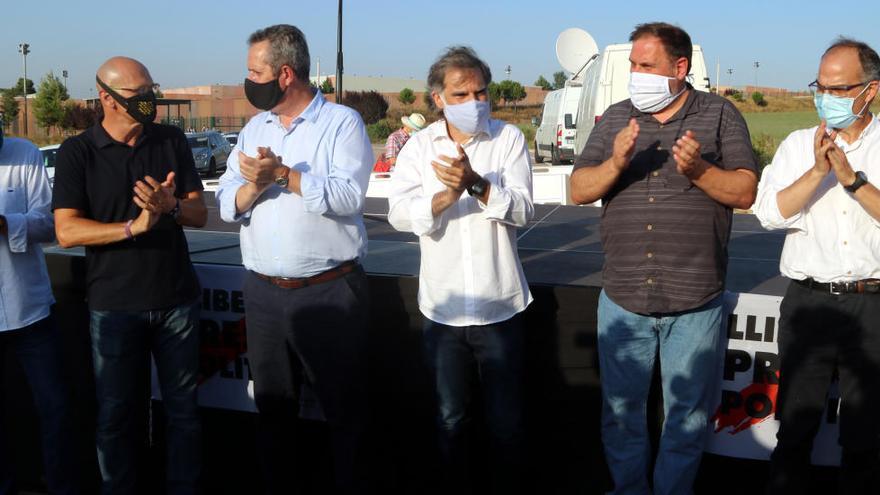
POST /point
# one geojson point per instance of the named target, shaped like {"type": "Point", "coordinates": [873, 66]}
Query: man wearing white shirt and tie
{"type": "Point", "coordinates": [463, 186]}
{"type": "Point", "coordinates": [819, 188]}
{"type": "Point", "coordinates": [26, 324]}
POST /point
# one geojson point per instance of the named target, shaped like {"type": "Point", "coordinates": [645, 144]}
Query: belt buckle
{"type": "Point", "coordinates": [838, 291]}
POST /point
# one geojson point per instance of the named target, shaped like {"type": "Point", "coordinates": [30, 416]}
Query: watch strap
{"type": "Point", "coordinates": [478, 188]}
{"type": "Point", "coordinates": [861, 180]}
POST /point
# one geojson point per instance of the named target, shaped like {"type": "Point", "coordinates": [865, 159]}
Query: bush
{"type": "Point", "coordinates": [406, 96]}
{"type": "Point", "coordinates": [370, 104]}
{"type": "Point", "coordinates": [758, 98]}
{"type": "Point", "coordinates": [528, 131]}
{"type": "Point", "coordinates": [764, 146]}
{"type": "Point", "coordinates": [379, 131]}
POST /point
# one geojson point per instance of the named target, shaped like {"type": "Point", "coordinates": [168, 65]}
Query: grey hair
{"type": "Point", "coordinates": [867, 56]}
{"type": "Point", "coordinates": [458, 57]}
{"type": "Point", "coordinates": [287, 46]}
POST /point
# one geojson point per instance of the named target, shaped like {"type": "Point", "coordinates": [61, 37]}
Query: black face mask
{"type": "Point", "coordinates": [142, 108]}
{"type": "Point", "coordinates": [264, 96]}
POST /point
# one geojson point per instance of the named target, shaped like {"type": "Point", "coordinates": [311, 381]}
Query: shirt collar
{"type": "Point", "coordinates": [867, 132]}
{"type": "Point", "coordinates": [102, 139]}
{"type": "Point", "coordinates": [437, 130]}
{"type": "Point", "coordinates": [310, 113]}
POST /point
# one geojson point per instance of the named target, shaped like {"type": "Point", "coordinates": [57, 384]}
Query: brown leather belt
{"type": "Point", "coordinates": [868, 285]}
{"type": "Point", "coordinates": [299, 283]}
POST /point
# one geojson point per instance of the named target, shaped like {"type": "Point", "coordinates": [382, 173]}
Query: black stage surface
{"type": "Point", "coordinates": [559, 247]}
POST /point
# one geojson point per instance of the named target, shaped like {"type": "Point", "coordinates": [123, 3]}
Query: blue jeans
{"type": "Point", "coordinates": [38, 349]}
{"type": "Point", "coordinates": [689, 350]}
{"type": "Point", "coordinates": [493, 353]}
{"type": "Point", "coordinates": [121, 345]}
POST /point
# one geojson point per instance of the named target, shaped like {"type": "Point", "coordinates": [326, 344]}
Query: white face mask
{"type": "Point", "coordinates": [469, 117]}
{"type": "Point", "coordinates": [650, 93]}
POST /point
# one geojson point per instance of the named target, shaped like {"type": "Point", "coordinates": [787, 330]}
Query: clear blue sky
{"type": "Point", "coordinates": [198, 42]}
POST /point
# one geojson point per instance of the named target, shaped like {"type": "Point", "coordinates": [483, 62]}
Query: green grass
{"type": "Point", "coordinates": [778, 125]}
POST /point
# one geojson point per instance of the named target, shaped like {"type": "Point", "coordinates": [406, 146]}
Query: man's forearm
{"type": "Point", "coordinates": [869, 197]}
{"type": "Point", "coordinates": [732, 188]}
{"type": "Point", "coordinates": [589, 184]}
{"type": "Point", "coordinates": [795, 197]}
{"type": "Point", "coordinates": [246, 196]}
{"type": "Point", "coordinates": [443, 200]}
{"type": "Point", "coordinates": [193, 212]}
{"type": "Point", "coordinates": [77, 231]}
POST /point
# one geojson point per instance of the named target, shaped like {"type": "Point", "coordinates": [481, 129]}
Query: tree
{"type": "Point", "coordinates": [494, 94]}
{"type": "Point", "coordinates": [543, 83]}
{"type": "Point", "coordinates": [17, 89]}
{"type": "Point", "coordinates": [511, 92]}
{"type": "Point", "coordinates": [370, 104]}
{"type": "Point", "coordinates": [49, 102]}
{"type": "Point", "coordinates": [8, 106]}
{"type": "Point", "coordinates": [406, 96]}
{"type": "Point", "coordinates": [559, 79]}
{"type": "Point", "coordinates": [78, 116]}
{"type": "Point", "coordinates": [327, 88]}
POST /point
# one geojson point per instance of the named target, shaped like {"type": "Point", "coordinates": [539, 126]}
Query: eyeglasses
{"type": "Point", "coordinates": [141, 91]}
{"type": "Point", "coordinates": [815, 87]}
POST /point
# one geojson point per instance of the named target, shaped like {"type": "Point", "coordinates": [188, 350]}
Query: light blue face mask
{"type": "Point", "coordinates": [836, 111]}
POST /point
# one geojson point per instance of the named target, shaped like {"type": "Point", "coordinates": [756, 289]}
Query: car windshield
{"type": "Point", "coordinates": [49, 158]}
{"type": "Point", "coordinates": [232, 139]}
{"type": "Point", "coordinates": [198, 142]}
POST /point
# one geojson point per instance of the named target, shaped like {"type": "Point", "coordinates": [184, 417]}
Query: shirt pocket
{"type": "Point", "coordinates": [13, 200]}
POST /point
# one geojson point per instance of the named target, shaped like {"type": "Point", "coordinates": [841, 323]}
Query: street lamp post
{"type": "Point", "coordinates": [24, 49]}
{"type": "Point", "coordinates": [507, 71]}
{"type": "Point", "coordinates": [64, 75]}
{"type": "Point", "coordinates": [757, 64]}
{"type": "Point", "coordinates": [339, 55]}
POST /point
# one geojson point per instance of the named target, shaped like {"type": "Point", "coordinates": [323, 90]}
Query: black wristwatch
{"type": "Point", "coordinates": [479, 187]}
{"type": "Point", "coordinates": [861, 180]}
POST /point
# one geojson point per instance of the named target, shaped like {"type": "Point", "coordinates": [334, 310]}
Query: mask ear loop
{"type": "Point", "coordinates": [116, 96]}
{"type": "Point", "coordinates": [867, 103]}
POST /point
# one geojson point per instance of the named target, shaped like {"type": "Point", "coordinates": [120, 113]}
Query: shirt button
{"type": "Point", "coordinates": [844, 212]}
{"type": "Point", "coordinates": [650, 227]}
{"type": "Point", "coordinates": [849, 273]}
{"type": "Point", "coordinates": [655, 173]}
{"type": "Point", "coordinates": [662, 126]}
{"type": "Point", "coordinates": [659, 148]}
{"type": "Point", "coordinates": [650, 255]}
{"type": "Point", "coordinates": [651, 199]}
{"type": "Point", "coordinates": [650, 281]}
{"type": "Point", "coordinates": [844, 243]}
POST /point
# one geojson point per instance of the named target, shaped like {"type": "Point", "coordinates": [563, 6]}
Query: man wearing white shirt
{"type": "Point", "coordinates": [26, 325]}
{"type": "Point", "coordinates": [818, 188]}
{"type": "Point", "coordinates": [463, 186]}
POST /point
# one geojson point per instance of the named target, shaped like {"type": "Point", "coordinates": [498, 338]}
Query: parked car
{"type": "Point", "coordinates": [232, 137]}
{"type": "Point", "coordinates": [606, 82]}
{"type": "Point", "coordinates": [210, 151]}
{"type": "Point", "coordinates": [554, 138]}
{"type": "Point", "coordinates": [49, 154]}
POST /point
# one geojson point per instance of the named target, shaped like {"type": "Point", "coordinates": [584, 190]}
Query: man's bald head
{"type": "Point", "coordinates": [124, 72]}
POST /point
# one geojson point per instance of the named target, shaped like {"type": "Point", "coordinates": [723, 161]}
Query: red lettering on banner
{"type": "Point", "coordinates": [221, 344]}
{"type": "Point", "coordinates": [750, 406]}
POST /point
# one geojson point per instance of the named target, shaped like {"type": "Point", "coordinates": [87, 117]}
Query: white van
{"type": "Point", "coordinates": [554, 139]}
{"type": "Point", "coordinates": [606, 81]}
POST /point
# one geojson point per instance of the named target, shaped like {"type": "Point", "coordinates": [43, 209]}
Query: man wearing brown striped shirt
{"type": "Point", "coordinates": [669, 164]}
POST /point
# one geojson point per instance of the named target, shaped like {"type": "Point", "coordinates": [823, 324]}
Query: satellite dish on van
{"type": "Point", "coordinates": [574, 48]}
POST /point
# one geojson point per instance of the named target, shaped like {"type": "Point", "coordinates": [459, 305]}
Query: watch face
{"type": "Point", "coordinates": [282, 181]}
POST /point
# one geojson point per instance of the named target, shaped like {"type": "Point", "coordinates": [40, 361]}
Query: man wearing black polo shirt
{"type": "Point", "coordinates": [124, 189]}
{"type": "Point", "coordinates": [669, 164]}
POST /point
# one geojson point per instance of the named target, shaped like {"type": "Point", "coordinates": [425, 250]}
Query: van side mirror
{"type": "Point", "coordinates": [535, 121]}
{"type": "Point", "coordinates": [568, 121]}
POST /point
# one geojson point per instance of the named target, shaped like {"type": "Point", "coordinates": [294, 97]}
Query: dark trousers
{"type": "Point", "coordinates": [121, 345]}
{"type": "Point", "coordinates": [494, 355]}
{"type": "Point", "coordinates": [38, 349]}
{"type": "Point", "coordinates": [319, 331]}
{"type": "Point", "coordinates": [821, 334]}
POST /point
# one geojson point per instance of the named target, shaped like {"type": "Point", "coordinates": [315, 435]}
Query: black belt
{"type": "Point", "coordinates": [868, 285]}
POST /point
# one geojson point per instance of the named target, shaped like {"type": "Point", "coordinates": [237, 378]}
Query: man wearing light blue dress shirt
{"type": "Point", "coordinates": [26, 324]}
{"type": "Point", "coordinates": [296, 181]}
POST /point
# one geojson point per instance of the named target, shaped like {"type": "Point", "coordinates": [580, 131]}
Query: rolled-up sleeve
{"type": "Point", "coordinates": [409, 208]}
{"type": "Point", "coordinates": [230, 182]}
{"type": "Point", "coordinates": [343, 190]}
{"type": "Point", "coordinates": [510, 199]}
{"type": "Point", "coordinates": [36, 224]}
{"type": "Point", "coordinates": [781, 173]}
